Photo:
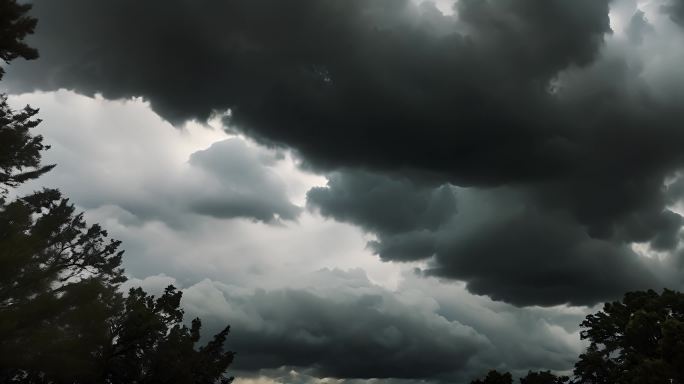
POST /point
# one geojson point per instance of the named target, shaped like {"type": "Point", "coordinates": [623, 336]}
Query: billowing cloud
{"type": "Point", "coordinates": [338, 324]}
{"type": "Point", "coordinates": [675, 8]}
{"type": "Point", "coordinates": [514, 153]}
{"type": "Point", "coordinates": [137, 162]}
{"type": "Point", "coordinates": [561, 114]}
{"type": "Point", "coordinates": [388, 207]}
{"type": "Point", "coordinates": [496, 240]}
{"type": "Point", "coordinates": [376, 83]}
{"type": "Point", "coordinates": [144, 180]}
{"type": "Point", "coordinates": [246, 186]}
{"type": "Point", "coordinates": [301, 295]}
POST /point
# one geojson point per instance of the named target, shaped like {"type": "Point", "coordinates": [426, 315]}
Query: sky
{"type": "Point", "coordinates": [373, 191]}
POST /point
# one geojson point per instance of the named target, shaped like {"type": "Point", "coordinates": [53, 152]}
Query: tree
{"type": "Point", "coordinates": [19, 151]}
{"type": "Point", "coordinates": [58, 287]}
{"type": "Point", "coordinates": [63, 319]}
{"type": "Point", "coordinates": [637, 340]}
{"type": "Point", "coordinates": [494, 377]}
{"type": "Point", "coordinates": [543, 377]}
{"type": "Point", "coordinates": [15, 25]}
{"type": "Point", "coordinates": [152, 342]}
{"type": "Point", "coordinates": [62, 316]}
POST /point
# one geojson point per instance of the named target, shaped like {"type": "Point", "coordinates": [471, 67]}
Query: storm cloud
{"type": "Point", "coordinates": [497, 240]}
{"type": "Point", "coordinates": [338, 324]}
{"type": "Point", "coordinates": [378, 83]}
{"type": "Point", "coordinates": [562, 130]}
{"type": "Point", "coordinates": [675, 8]}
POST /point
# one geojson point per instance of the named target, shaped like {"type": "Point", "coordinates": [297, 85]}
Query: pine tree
{"type": "Point", "coordinates": [63, 318]}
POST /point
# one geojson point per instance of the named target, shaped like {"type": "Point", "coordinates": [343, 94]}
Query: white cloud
{"type": "Point", "coordinates": [139, 176]}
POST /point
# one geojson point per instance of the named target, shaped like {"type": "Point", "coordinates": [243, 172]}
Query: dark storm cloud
{"type": "Point", "coordinates": [520, 100]}
{"type": "Point", "coordinates": [404, 214]}
{"type": "Point", "coordinates": [499, 241]}
{"type": "Point", "coordinates": [346, 327]}
{"type": "Point", "coordinates": [382, 82]}
{"type": "Point", "coordinates": [529, 258]}
{"type": "Point", "coordinates": [675, 8]}
{"type": "Point", "coordinates": [362, 332]}
{"type": "Point", "coordinates": [360, 337]}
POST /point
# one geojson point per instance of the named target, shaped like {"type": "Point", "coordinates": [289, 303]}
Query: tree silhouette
{"type": "Point", "coordinates": [62, 316]}
{"type": "Point", "coordinates": [19, 151]}
{"type": "Point", "coordinates": [637, 340]}
{"type": "Point", "coordinates": [15, 25]}
{"type": "Point", "coordinates": [152, 342]}
{"type": "Point", "coordinates": [543, 377]}
{"type": "Point", "coordinates": [58, 286]}
{"type": "Point", "coordinates": [494, 377]}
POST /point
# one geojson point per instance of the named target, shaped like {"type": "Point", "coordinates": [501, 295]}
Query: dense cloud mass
{"type": "Point", "coordinates": [403, 214]}
{"type": "Point", "coordinates": [562, 132]}
{"type": "Point", "coordinates": [675, 8]}
{"type": "Point", "coordinates": [495, 240]}
{"type": "Point", "coordinates": [279, 284]}
{"type": "Point", "coordinates": [380, 83]}
{"type": "Point", "coordinates": [339, 324]}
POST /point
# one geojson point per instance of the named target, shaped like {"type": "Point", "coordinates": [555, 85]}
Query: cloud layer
{"type": "Point", "coordinates": [495, 240]}
{"type": "Point", "coordinates": [558, 124]}
{"type": "Point", "coordinates": [302, 296]}
{"type": "Point", "coordinates": [338, 324]}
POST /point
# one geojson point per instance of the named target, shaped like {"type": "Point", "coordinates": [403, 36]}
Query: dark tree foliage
{"type": "Point", "coordinates": [637, 340]}
{"type": "Point", "coordinates": [15, 25]}
{"type": "Point", "coordinates": [494, 377]}
{"type": "Point", "coordinates": [46, 249]}
{"type": "Point", "coordinates": [62, 316]}
{"type": "Point", "coordinates": [543, 377]}
{"type": "Point", "coordinates": [63, 319]}
{"type": "Point", "coordinates": [152, 342]}
{"type": "Point", "coordinates": [58, 286]}
{"type": "Point", "coordinates": [19, 151]}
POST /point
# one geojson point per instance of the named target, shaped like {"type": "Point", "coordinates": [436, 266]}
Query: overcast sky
{"type": "Point", "coordinates": [374, 189]}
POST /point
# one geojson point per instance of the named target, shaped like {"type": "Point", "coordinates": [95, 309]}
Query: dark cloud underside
{"type": "Point", "coordinates": [560, 143]}
{"type": "Point", "coordinates": [375, 83]}
{"type": "Point", "coordinates": [347, 327]}
{"type": "Point", "coordinates": [500, 241]}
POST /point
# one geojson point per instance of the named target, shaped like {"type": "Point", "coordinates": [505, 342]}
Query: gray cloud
{"type": "Point", "coordinates": [247, 187]}
{"type": "Point", "coordinates": [143, 180]}
{"type": "Point", "coordinates": [637, 27]}
{"type": "Point", "coordinates": [343, 326]}
{"type": "Point", "coordinates": [528, 257]}
{"type": "Point", "coordinates": [675, 8]}
{"type": "Point", "coordinates": [403, 213]}
{"type": "Point", "coordinates": [571, 130]}
{"type": "Point", "coordinates": [365, 334]}
{"type": "Point", "coordinates": [336, 80]}
{"type": "Point", "coordinates": [153, 176]}
{"type": "Point", "coordinates": [500, 241]}
{"type": "Point", "coordinates": [283, 314]}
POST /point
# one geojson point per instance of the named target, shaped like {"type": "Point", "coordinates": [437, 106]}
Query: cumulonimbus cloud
{"type": "Point", "coordinates": [536, 105]}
